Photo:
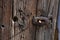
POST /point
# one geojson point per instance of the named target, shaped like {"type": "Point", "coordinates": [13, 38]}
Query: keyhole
{"type": "Point", "coordinates": [15, 18]}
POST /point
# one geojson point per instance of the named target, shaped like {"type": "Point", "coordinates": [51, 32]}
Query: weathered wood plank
{"type": "Point", "coordinates": [7, 11]}
{"type": "Point", "coordinates": [29, 8]}
{"type": "Point", "coordinates": [1, 11]}
{"type": "Point", "coordinates": [49, 7]}
{"type": "Point", "coordinates": [55, 12]}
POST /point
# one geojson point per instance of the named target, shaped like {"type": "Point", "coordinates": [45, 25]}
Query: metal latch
{"type": "Point", "coordinates": [40, 21]}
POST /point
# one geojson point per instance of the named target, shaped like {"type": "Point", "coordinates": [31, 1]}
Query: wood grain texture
{"type": "Point", "coordinates": [37, 8]}
{"type": "Point", "coordinates": [1, 11]}
{"type": "Point", "coordinates": [48, 6]}
{"type": "Point", "coordinates": [30, 8]}
{"type": "Point", "coordinates": [7, 11]}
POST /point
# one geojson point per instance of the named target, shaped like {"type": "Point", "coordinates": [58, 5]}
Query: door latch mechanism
{"type": "Point", "coordinates": [40, 21]}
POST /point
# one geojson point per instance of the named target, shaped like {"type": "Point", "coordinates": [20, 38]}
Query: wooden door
{"type": "Point", "coordinates": [23, 12]}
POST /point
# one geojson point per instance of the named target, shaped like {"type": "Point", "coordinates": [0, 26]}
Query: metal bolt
{"type": "Point", "coordinates": [40, 21]}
